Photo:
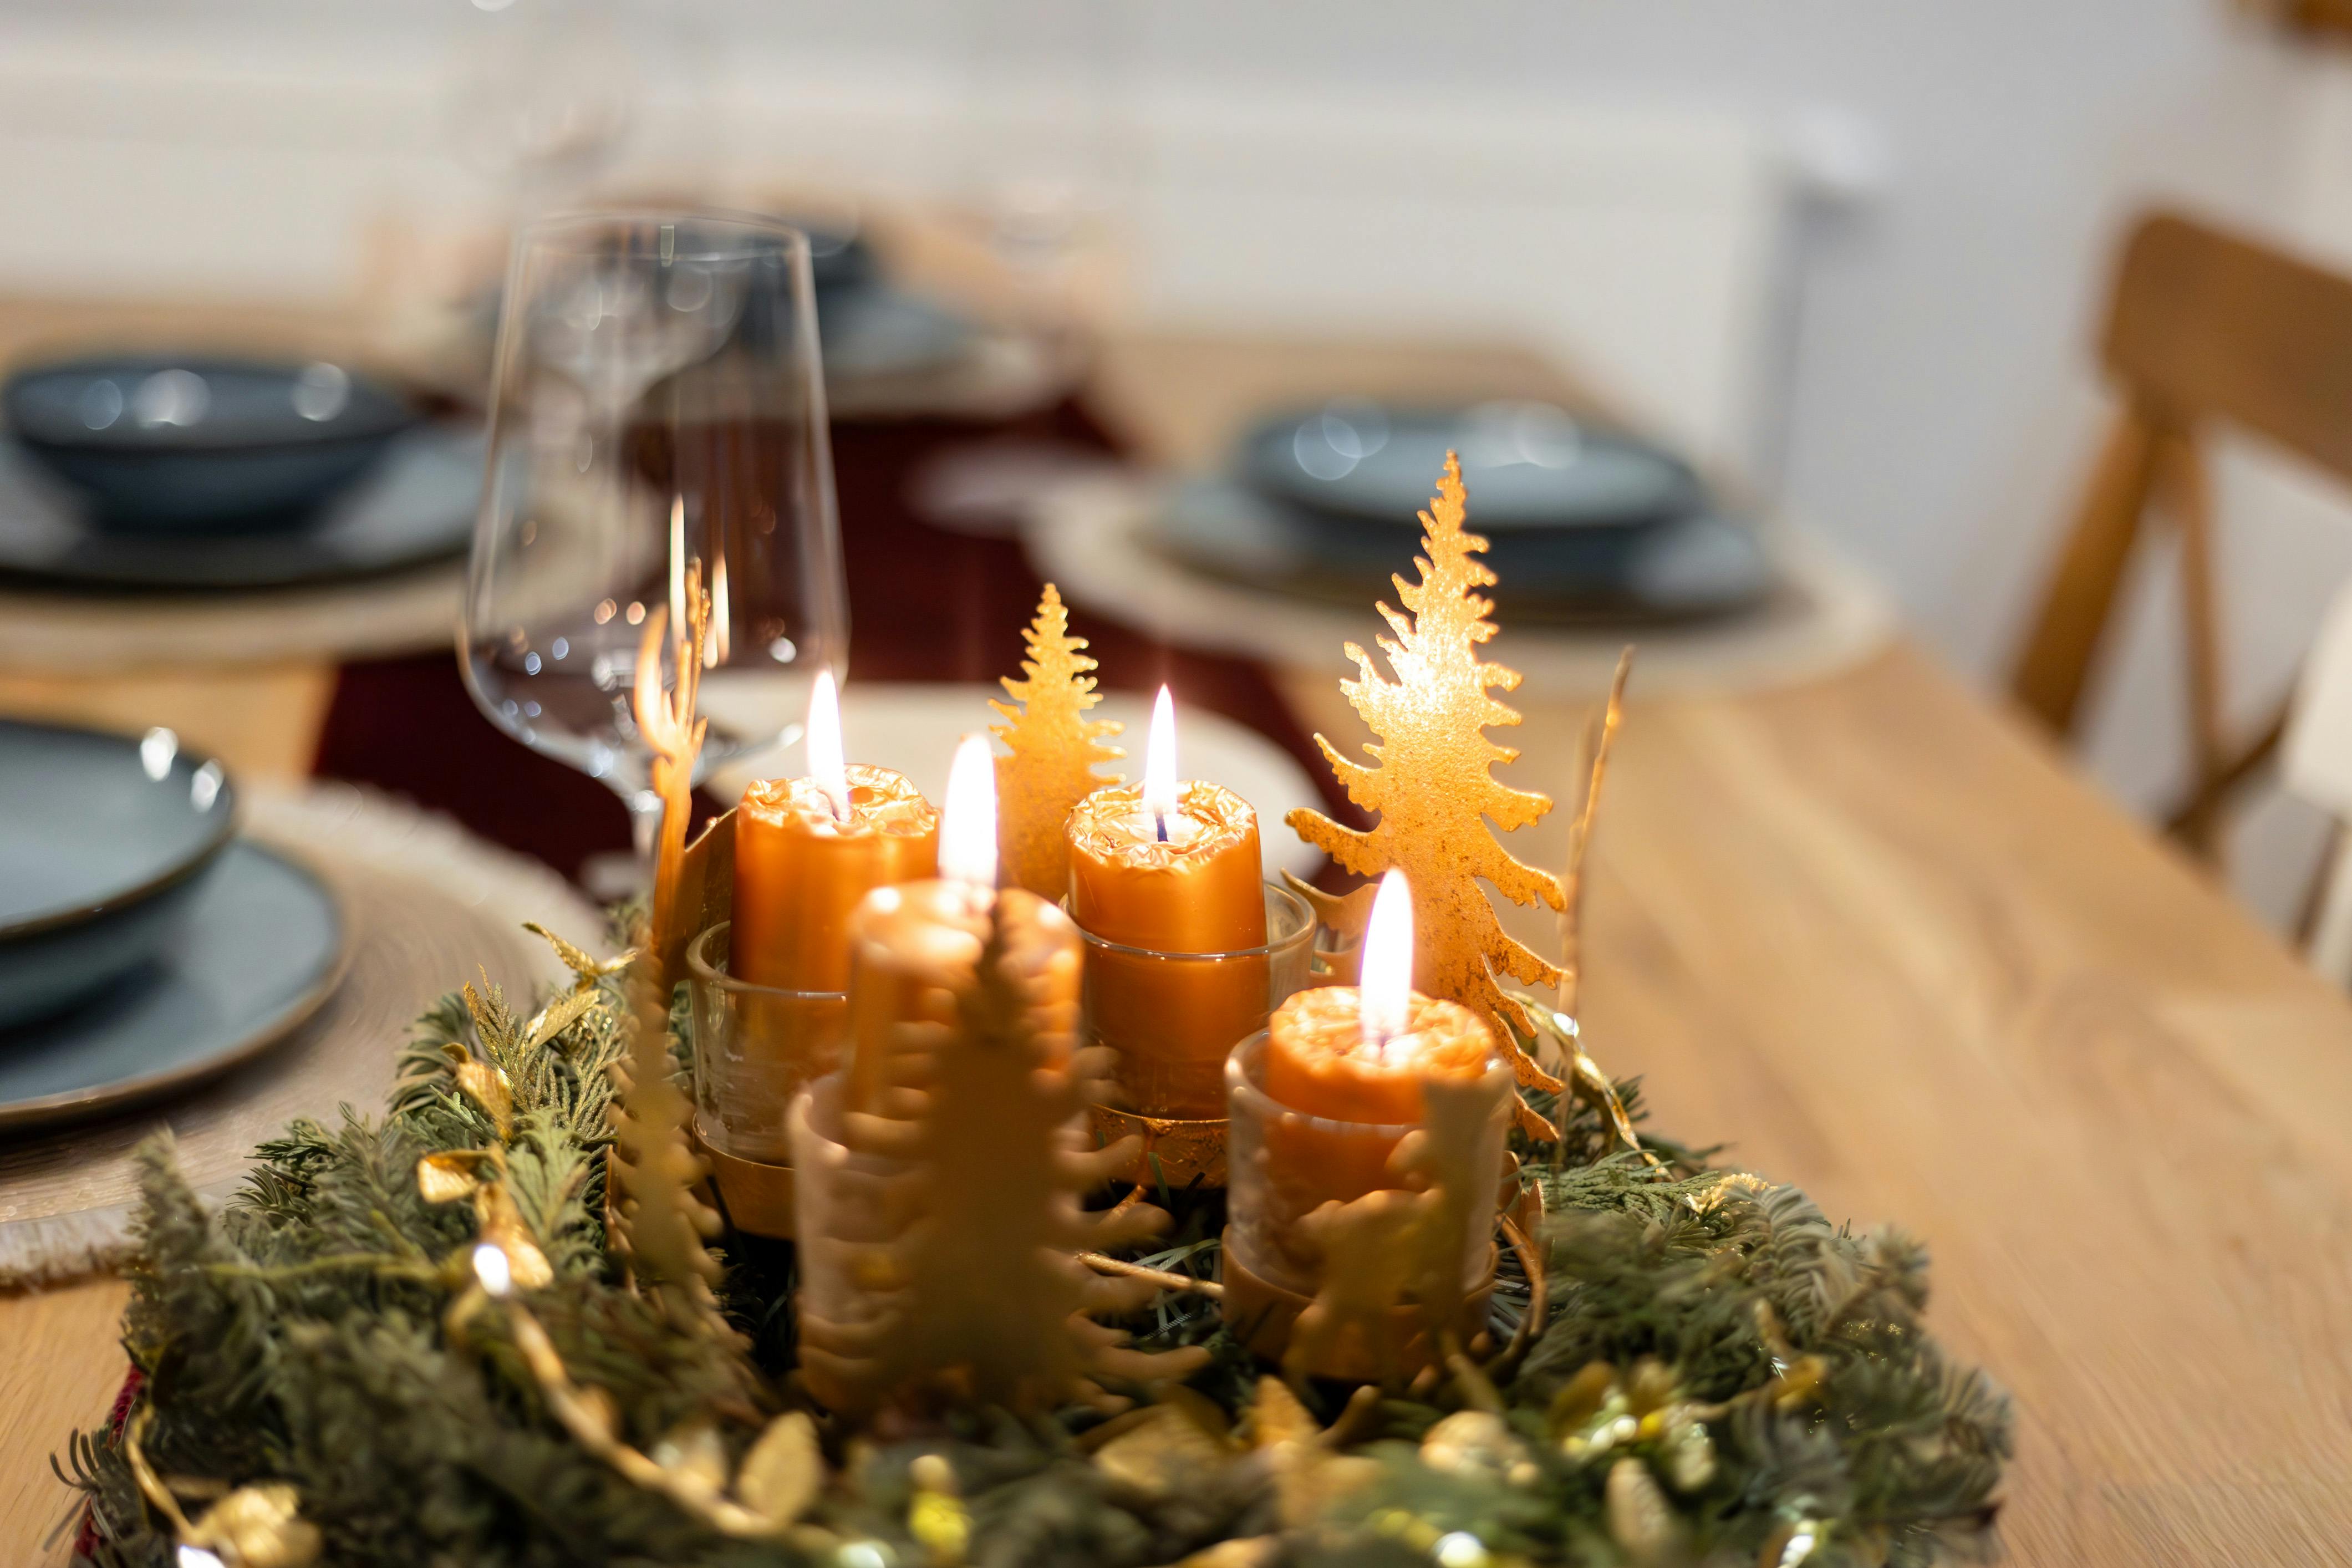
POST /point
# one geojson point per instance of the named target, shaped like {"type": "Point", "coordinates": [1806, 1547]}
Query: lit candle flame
{"type": "Point", "coordinates": [677, 561]}
{"type": "Point", "coordinates": [827, 767]}
{"type": "Point", "coordinates": [1159, 762]}
{"type": "Point", "coordinates": [1386, 992]}
{"type": "Point", "coordinates": [715, 641]}
{"type": "Point", "coordinates": [968, 818]}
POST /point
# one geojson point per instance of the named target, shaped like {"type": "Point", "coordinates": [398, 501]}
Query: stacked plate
{"type": "Point", "coordinates": [196, 472]}
{"type": "Point", "coordinates": [144, 947]}
{"type": "Point", "coordinates": [1584, 523]}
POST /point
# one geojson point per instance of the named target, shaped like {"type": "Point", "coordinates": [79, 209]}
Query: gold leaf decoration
{"type": "Point", "coordinates": [1432, 789]}
{"type": "Point", "coordinates": [695, 1456]}
{"type": "Point", "coordinates": [1309, 1476]}
{"type": "Point", "coordinates": [490, 1090]}
{"type": "Point", "coordinates": [258, 1527]}
{"type": "Point", "coordinates": [445, 1177]}
{"type": "Point", "coordinates": [784, 1470]}
{"type": "Point", "coordinates": [586, 967]}
{"type": "Point", "coordinates": [502, 1225]}
{"type": "Point", "coordinates": [1176, 1447]}
{"type": "Point", "coordinates": [1055, 747]}
{"type": "Point", "coordinates": [978, 1297]}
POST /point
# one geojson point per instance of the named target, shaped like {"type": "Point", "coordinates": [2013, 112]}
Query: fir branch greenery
{"type": "Point", "coordinates": [1722, 1375]}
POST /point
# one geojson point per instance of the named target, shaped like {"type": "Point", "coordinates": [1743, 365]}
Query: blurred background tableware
{"type": "Point", "coordinates": [107, 845]}
{"type": "Point", "coordinates": [414, 504]}
{"type": "Point", "coordinates": [658, 401]}
{"type": "Point", "coordinates": [1533, 466]}
{"type": "Point", "coordinates": [1586, 525]}
{"type": "Point", "coordinates": [259, 951]}
{"type": "Point", "coordinates": [195, 444]}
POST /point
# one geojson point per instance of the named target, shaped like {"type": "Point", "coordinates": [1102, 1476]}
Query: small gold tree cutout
{"type": "Point", "coordinates": [982, 1296]}
{"type": "Point", "coordinates": [1433, 788]}
{"type": "Point", "coordinates": [1054, 749]}
{"type": "Point", "coordinates": [1400, 1245]}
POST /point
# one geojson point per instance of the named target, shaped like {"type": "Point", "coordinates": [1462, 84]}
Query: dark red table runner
{"type": "Point", "coordinates": [925, 605]}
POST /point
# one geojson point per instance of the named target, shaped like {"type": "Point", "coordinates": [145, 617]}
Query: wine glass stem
{"type": "Point", "coordinates": [645, 825]}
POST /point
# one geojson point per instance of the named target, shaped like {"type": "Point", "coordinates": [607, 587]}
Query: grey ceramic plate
{"type": "Point", "coordinates": [103, 845]}
{"type": "Point", "coordinates": [1528, 465]}
{"type": "Point", "coordinates": [1681, 569]}
{"type": "Point", "coordinates": [261, 950]}
{"type": "Point", "coordinates": [415, 504]}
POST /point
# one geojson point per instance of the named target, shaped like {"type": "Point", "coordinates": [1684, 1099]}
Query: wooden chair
{"type": "Point", "coordinates": [2315, 764]}
{"type": "Point", "coordinates": [2204, 330]}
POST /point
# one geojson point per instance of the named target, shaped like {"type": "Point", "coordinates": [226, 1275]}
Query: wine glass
{"type": "Point", "coordinates": [656, 399]}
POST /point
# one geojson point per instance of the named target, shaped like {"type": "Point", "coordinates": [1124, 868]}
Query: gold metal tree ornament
{"type": "Point", "coordinates": [980, 1296]}
{"type": "Point", "coordinates": [1434, 791]}
{"type": "Point", "coordinates": [1055, 747]}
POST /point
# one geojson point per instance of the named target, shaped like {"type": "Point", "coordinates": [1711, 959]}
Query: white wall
{"type": "Point", "coordinates": [1942, 403]}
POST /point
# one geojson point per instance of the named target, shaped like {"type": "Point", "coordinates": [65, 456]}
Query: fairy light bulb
{"type": "Point", "coordinates": [1385, 992]}
{"type": "Point", "coordinates": [828, 768]}
{"type": "Point", "coordinates": [968, 818]}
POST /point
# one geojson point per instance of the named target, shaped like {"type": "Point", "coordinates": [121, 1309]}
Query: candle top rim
{"type": "Point", "coordinates": [1106, 824]}
{"type": "Point", "coordinates": [1326, 1022]}
{"type": "Point", "coordinates": [882, 801]}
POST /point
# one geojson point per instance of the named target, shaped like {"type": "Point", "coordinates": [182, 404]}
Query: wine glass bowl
{"type": "Point", "coordinates": [657, 400]}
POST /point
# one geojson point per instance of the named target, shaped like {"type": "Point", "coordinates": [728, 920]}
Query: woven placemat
{"type": "Point", "coordinates": [1091, 538]}
{"type": "Point", "coordinates": [374, 618]}
{"type": "Point", "coordinates": [429, 904]}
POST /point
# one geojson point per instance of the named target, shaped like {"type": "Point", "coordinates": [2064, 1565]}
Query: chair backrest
{"type": "Point", "coordinates": [2203, 328]}
{"type": "Point", "coordinates": [2204, 325]}
{"type": "Point", "coordinates": [2315, 764]}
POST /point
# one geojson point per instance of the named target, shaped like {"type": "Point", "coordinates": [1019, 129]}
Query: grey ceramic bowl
{"type": "Point", "coordinates": [105, 843]}
{"type": "Point", "coordinates": [201, 445]}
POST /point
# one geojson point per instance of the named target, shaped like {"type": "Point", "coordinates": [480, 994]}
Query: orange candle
{"type": "Point", "coordinates": [913, 949]}
{"type": "Point", "coordinates": [1362, 1056]}
{"type": "Point", "coordinates": [806, 851]}
{"type": "Point", "coordinates": [1169, 868]}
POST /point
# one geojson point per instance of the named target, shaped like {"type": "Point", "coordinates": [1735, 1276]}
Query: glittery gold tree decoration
{"type": "Point", "coordinates": [1434, 790]}
{"type": "Point", "coordinates": [1054, 748]}
{"type": "Point", "coordinates": [980, 1296]}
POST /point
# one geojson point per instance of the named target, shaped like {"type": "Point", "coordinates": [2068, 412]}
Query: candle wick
{"type": "Point", "coordinates": [1162, 820]}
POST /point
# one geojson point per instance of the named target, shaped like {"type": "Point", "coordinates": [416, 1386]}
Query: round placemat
{"type": "Point", "coordinates": [1092, 539]}
{"type": "Point", "coordinates": [95, 634]}
{"type": "Point", "coordinates": [429, 905]}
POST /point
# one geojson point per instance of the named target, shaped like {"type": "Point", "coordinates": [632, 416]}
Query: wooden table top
{"type": "Point", "coordinates": [1880, 937]}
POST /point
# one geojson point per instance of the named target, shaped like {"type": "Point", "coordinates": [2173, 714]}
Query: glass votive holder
{"type": "Point", "coordinates": [755, 1049]}
{"type": "Point", "coordinates": [1169, 1020]}
{"type": "Point", "coordinates": [846, 1213]}
{"type": "Point", "coordinates": [1285, 1164]}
